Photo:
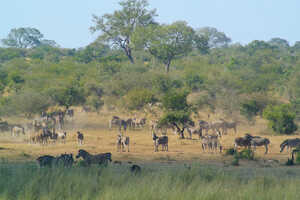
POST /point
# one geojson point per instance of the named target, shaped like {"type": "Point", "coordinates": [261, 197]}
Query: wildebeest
{"type": "Point", "coordinates": [45, 160]}
{"type": "Point", "coordinates": [290, 143]}
{"type": "Point", "coordinates": [229, 125]}
{"type": "Point", "coordinates": [117, 121]}
{"type": "Point", "coordinates": [204, 125]}
{"type": "Point", "coordinates": [259, 141]}
{"type": "Point", "coordinates": [65, 160]}
{"type": "Point", "coordinates": [163, 141]}
{"type": "Point", "coordinates": [4, 126]}
{"type": "Point", "coordinates": [17, 130]}
{"type": "Point", "coordinates": [243, 141]}
{"type": "Point", "coordinates": [99, 159]}
{"type": "Point", "coordinates": [194, 130]}
{"type": "Point", "coordinates": [80, 138]}
{"type": "Point", "coordinates": [135, 169]}
{"type": "Point", "coordinates": [122, 143]}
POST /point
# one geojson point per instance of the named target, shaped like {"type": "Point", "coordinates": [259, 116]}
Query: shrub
{"type": "Point", "coordinates": [249, 109]}
{"type": "Point", "coordinates": [193, 81]}
{"type": "Point", "coordinates": [281, 118]}
{"type": "Point", "coordinates": [138, 98]}
{"type": "Point", "coordinates": [247, 154]}
{"type": "Point", "coordinates": [175, 101]}
{"type": "Point", "coordinates": [230, 152]}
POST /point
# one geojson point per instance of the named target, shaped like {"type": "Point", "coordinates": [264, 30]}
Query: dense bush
{"type": "Point", "coordinates": [138, 98]}
{"type": "Point", "coordinates": [281, 118]}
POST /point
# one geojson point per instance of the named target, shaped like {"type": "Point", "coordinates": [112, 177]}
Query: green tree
{"type": "Point", "coordinates": [216, 39]}
{"type": "Point", "coordinates": [168, 42]}
{"type": "Point", "coordinates": [23, 38]}
{"type": "Point", "coordinates": [176, 111]}
{"type": "Point", "coordinates": [279, 42]}
{"type": "Point", "coordinates": [138, 98]}
{"type": "Point", "coordinates": [26, 38]}
{"type": "Point", "coordinates": [281, 118]}
{"type": "Point", "coordinates": [118, 28]}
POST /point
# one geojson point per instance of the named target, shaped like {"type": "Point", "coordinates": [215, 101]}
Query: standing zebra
{"type": "Point", "coordinates": [80, 138]}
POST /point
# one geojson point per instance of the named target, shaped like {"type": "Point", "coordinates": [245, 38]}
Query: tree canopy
{"type": "Point", "coordinates": [118, 28]}
{"type": "Point", "coordinates": [26, 38]}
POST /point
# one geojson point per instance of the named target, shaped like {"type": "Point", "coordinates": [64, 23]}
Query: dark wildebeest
{"type": "Point", "coordinates": [45, 161]}
{"type": "Point", "coordinates": [135, 169]}
{"type": "Point", "coordinates": [118, 122]}
{"type": "Point", "coordinates": [99, 159]}
{"type": "Point", "coordinates": [204, 125]}
{"type": "Point", "coordinates": [290, 143]}
{"type": "Point", "coordinates": [80, 138]}
{"type": "Point", "coordinates": [163, 141]}
{"type": "Point", "coordinates": [243, 141]}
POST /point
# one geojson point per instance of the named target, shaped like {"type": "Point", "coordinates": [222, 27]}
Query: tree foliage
{"type": "Point", "coordinates": [281, 118]}
{"type": "Point", "coordinates": [118, 28]}
{"type": "Point", "coordinates": [26, 38]}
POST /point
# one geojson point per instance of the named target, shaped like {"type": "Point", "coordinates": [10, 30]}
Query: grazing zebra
{"type": "Point", "coordinates": [163, 141]}
{"type": "Point", "coordinates": [290, 143]}
{"type": "Point", "coordinates": [99, 159]}
{"type": "Point", "coordinates": [80, 138]}
{"type": "Point", "coordinates": [122, 143]}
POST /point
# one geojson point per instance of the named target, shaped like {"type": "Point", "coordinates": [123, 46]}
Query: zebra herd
{"type": "Point", "coordinates": [67, 160]}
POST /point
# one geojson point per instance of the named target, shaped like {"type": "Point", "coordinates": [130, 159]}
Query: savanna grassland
{"type": "Point", "coordinates": [172, 73]}
{"type": "Point", "coordinates": [185, 172]}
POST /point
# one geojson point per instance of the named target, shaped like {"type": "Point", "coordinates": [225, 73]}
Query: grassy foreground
{"type": "Point", "coordinates": [26, 181]}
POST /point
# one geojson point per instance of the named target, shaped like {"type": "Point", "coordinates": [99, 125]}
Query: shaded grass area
{"type": "Point", "coordinates": [26, 181]}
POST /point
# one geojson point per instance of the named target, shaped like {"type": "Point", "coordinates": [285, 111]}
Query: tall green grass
{"type": "Point", "coordinates": [27, 182]}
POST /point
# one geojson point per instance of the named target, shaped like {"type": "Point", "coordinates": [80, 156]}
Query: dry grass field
{"type": "Point", "coordinates": [185, 172]}
{"type": "Point", "coordinates": [98, 138]}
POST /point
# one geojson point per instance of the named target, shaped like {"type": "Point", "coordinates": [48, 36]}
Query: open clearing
{"type": "Point", "coordinates": [98, 138]}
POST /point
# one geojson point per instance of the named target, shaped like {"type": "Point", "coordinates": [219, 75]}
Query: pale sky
{"type": "Point", "coordinates": [68, 21]}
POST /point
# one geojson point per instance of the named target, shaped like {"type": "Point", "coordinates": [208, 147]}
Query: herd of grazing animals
{"type": "Point", "coordinates": [50, 128]}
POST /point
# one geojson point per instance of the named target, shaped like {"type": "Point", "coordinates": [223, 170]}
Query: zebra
{"type": "Point", "coordinates": [80, 138]}
{"type": "Point", "coordinates": [290, 143]}
{"type": "Point", "coordinates": [99, 159]}
{"type": "Point", "coordinates": [122, 143]}
{"type": "Point", "coordinates": [163, 141]}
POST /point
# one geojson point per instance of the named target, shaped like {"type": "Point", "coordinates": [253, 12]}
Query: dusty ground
{"type": "Point", "coordinates": [98, 138]}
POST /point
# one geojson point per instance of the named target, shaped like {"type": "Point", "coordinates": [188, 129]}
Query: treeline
{"type": "Point", "coordinates": [136, 61]}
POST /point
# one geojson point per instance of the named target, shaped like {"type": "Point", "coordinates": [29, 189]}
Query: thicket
{"type": "Point", "coordinates": [220, 75]}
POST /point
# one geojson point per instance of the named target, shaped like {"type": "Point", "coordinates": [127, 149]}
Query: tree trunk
{"type": "Point", "coordinates": [129, 55]}
{"type": "Point", "coordinates": [167, 67]}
